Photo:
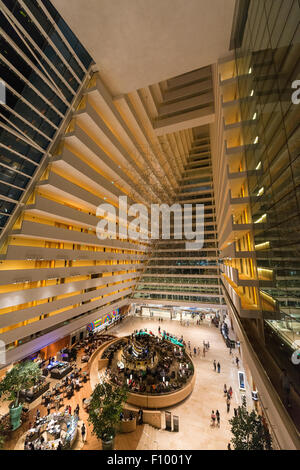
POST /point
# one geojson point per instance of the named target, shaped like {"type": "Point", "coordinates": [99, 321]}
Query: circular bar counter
{"type": "Point", "coordinates": [142, 399]}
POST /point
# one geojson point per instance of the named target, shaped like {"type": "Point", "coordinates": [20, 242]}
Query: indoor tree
{"type": "Point", "coordinates": [249, 431]}
{"type": "Point", "coordinates": [2, 436]}
{"type": "Point", "coordinates": [105, 409]}
{"type": "Point", "coordinates": [21, 377]}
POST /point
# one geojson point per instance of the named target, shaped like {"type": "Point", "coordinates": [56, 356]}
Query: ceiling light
{"type": "Point", "coordinates": [258, 166]}
{"type": "Point", "coordinates": [260, 192]}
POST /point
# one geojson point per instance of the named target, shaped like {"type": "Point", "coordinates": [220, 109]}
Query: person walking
{"type": "Point", "coordinates": [198, 351]}
{"type": "Point", "coordinates": [230, 391]}
{"type": "Point", "coordinates": [229, 446]}
{"type": "Point", "coordinates": [237, 361]}
{"type": "Point", "coordinates": [213, 419]}
{"type": "Point", "coordinates": [195, 351]}
{"type": "Point", "coordinates": [48, 408]}
{"type": "Point", "coordinates": [218, 418]}
{"type": "Point", "coordinates": [204, 351]}
{"type": "Point", "coordinates": [219, 367]}
{"type": "Point", "coordinates": [215, 365]}
{"type": "Point", "coordinates": [228, 404]}
{"type": "Point", "coordinates": [225, 390]}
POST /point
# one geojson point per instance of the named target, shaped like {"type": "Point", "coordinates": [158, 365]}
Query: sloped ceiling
{"type": "Point", "coordinates": [139, 42]}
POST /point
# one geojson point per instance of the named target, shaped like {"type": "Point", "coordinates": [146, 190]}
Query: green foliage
{"type": "Point", "coordinates": [249, 431]}
{"type": "Point", "coordinates": [22, 376]}
{"type": "Point", "coordinates": [2, 436]}
{"type": "Point", "coordinates": [105, 409]}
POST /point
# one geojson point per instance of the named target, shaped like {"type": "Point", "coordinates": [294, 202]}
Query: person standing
{"type": "Point", "coordinates": [57, 403]}
{"type": "Point", "coordinates": [218, 418]}
{"type": "Point", "coordinates": [195, 351]}
{"type": "Point", "coordinates": [237, 361]}
{"type": "Point", "coordinates": [229, 446]}
{"type": "Point", "coordinates": [204, 350]}
{"type": "Point", "coordinates": [215, 364]}
{"type": "Point", "coordinates": [198, 351]}
{"type": "Point", "coordinates": [48, 408]}
{"type": "Point", "coordinates": [225, 390]}
{"type": "Point", "coordinates": [219, 367]}
{"type": "Point", "coordinates": [140, 416]}
{"type": "Point", "coordinates": [213, 418]}
{"type": "Point", "coordinates": [83, 431]}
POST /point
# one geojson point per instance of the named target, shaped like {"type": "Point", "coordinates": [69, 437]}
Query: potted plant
{"type": "Point", "coordinates": [21, 377]}
{"type": "Point", "coordinates": [104, 412]}
{"type": "Point", "coordinates": [249, 431]}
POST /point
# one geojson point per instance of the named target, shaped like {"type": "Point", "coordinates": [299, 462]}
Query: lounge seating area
{"type": "Point", "coordinates": [64, 389]}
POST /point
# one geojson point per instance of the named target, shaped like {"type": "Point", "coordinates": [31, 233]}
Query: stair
{"type": "Point", "coordinates": [148, 440]}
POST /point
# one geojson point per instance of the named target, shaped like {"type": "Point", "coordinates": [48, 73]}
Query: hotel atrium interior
{"type": "Point", "coordinates": [164, 102]}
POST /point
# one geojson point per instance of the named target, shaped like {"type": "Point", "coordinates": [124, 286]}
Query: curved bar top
{"type": "Point", "coordinates": [95, 363]}
{"type": "Point", "coordinates": [162, 400]}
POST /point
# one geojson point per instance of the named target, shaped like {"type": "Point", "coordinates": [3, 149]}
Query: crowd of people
{"type": "Point", "coordinates": [150, 364]}
{"type": "Point", "coordinates": [92, 343]}
{"type": "Point", "coordinates": [65, 389]}
{"type": "Point", "coordinates": [215, 417]}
